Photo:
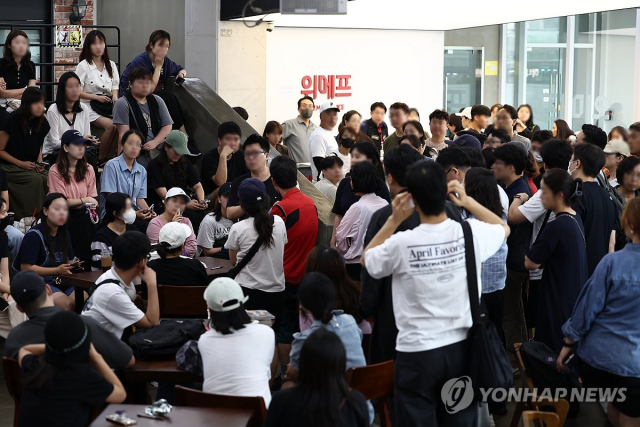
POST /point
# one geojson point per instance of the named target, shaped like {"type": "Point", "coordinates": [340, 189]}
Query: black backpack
{"type": "Point", "coordinates": [163, 341]}
{"type": "Point", "coordinates": [619, 202]}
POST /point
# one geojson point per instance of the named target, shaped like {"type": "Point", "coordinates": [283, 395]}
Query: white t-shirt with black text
{"type": "Point", "coordinates": [321, 144]}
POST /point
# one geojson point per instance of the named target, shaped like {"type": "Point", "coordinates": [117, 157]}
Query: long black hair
{"type": "Point", "coordinates": [559, 181]}
{"type": "Point", "coordinates": [322, 385]}
{"type": "Point", "coordinates": [227, 322]}
{"type": "Point", "coordinates": [168, 173]}
{"type": "Point", "coordinates": [61, 235]}
{"type": "Point", "coordinates": [7, 55]}
{"type": "Point", "coordinates": [262, 220]}
{"type": "Point", "coordinates": [86, 54]}
{"type": "Point", "coordinates": [61, 95]}
{"type": "Point", "coordinates": [317, 294]}
{"type": "Point", "coordinates": [370, 152]}
{"type": "Point", "coordinates": [480, 184]}
{"type": "Point", "coordinates": [115, 202]}
{"type": "Point", "coordinates": [30, 96]}
{"type": "Point", "coordinates": [529, 123]}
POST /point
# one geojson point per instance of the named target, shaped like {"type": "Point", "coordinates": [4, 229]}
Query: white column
{"type": "Point", "coordinates": [568, 71]}
{"type": "Point", "coordinates": [202, 21]}
{"type": "Point", "coordinates": [636, 72]}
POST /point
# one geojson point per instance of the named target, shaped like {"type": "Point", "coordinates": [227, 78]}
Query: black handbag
{"type": "Point", "coordinates": [489, 365]}
{"type": "Point", "coordinates": [103, 108]}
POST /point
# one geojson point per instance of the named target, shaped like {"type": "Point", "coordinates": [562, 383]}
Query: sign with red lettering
{"type": "Point", "coordinates": [332, 86]}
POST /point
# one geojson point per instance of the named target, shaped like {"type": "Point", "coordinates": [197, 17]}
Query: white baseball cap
{"type": "Point", "coordinates": [174, 234]}
{"type": "Point", "coordinates": [224, 294]}
{"type": "Point", "coordinates": [465, 113]}
{"type": "Point", "coordinates": [328, 106]}
{"type": "Point", "coordinates": [176, 191]}
{"type": "Point", "coordinates": [616, 146]}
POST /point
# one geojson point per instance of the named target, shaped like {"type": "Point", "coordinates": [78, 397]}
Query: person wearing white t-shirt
{"type": "Point", "coordinates": [236, 353]}
{"type": "Point", "coordinates": [111, 303]}
{"type": "Point", "coordinates": [346, 140]}
{"type": "Point", "coordinates": [430, 291]}
{"type": "Point", "coordinates": [321, 142]}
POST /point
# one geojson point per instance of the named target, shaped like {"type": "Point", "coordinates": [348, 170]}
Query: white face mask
{"type": "Point", "coordinates": [129, 216]}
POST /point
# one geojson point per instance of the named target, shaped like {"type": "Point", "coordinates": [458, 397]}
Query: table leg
{"type": "Point", "coordinates": [79, 300]}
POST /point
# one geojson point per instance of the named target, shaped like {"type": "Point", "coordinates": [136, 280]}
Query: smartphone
{"type": "Point", "coordinates": [43, 164]}
{"type": "Point", "coordinates": [3, 305]}
{"type": "Point", "coordinates": [179, 81]}
{"type": "Point", "coordinates": [149, 209]}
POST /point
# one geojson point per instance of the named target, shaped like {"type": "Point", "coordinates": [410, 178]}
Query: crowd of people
{"type": "Point", "coordinates": [554, 216]}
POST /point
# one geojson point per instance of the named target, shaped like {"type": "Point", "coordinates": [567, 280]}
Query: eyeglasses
{"type": "Point", "coordinates": [450, 169]}
{"type": "Point", "coordinates": [148, 257]}
{"type": "Point", "coordinates": [253, 154]}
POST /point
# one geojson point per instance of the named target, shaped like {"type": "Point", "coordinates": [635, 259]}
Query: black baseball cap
{"type": "Point", "coordinates": [73, 136]}
{"type": "Point", "coordinates": [26, 286]}
{"type": "Point", "coordinates": [224, 189]}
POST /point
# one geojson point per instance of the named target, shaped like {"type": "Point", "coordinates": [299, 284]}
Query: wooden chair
{"type": "Point", "coordinates": [547, 419]}
{"type": "Point", "coordinates": [182, 302]}
{"type": "Point", "coordinates": [560, 406]}
{"type": "Point", "coordinates": [374, 382]}
{"type": "Point", "coordinates": [13, 377]}
{"type": "Point", "coordinates": [199, 399]}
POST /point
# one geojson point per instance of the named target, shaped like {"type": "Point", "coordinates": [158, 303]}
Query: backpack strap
{"type": "Point", "coordinates": [472, 272]}
{"type": "Point", "coordinates": [95, 286]}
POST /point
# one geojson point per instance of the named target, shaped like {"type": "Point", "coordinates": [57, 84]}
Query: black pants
{"type": "Point", "coordinates": [273, 302]}
{"type": "Point", "coordinates": [530, 310]}
{"type": "Point", "coordinates": [290, 323]}
{"type": "Point", "coordinates": [419, 378]}
{"type": "Point", "coordinates": [353, 270]}
{"type": "Point", "coordinates": [494, 303]}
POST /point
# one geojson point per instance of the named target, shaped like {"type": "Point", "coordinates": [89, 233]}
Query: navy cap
{"type": "Point", "coordinates": [72, 136]}
{"type": "Point", "coordinates": [252, 190]}
{"type": "Point", "coordinates": [26, 286]}
{"type": "Point", "coordinates": [467, 140]}
{"type": "Point", "coordinates": [224, 189]}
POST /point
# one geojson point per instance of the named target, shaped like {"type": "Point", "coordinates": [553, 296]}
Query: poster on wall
{"type": "Point", "coordinates": [68, 36]}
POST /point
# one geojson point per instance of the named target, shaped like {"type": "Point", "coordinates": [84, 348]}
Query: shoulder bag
{"type": "Point", "coordinates": [253, 250]}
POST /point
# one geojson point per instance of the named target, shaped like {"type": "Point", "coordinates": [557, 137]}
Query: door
{"type": "Point", "coordinates": [463, 77]}
{"type": "Point", "coordinates": [545, 83]}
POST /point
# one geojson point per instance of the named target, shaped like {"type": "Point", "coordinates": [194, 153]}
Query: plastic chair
{"type": "Point", "coordinates": [374, 382]}
{"type": "Point", "coordinates": [13, 376]}
{"type": "Point", "coordinates": [547, 419]}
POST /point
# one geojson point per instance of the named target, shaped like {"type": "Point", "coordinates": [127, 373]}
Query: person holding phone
{"type": "Point", "coordinates": [175, 203]}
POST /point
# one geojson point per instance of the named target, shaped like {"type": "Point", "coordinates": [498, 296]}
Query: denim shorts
{"type": "Point", "coordinates": [67, 291]}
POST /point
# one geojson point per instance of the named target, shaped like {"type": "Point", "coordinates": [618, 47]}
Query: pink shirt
{"type": "Point", "coordinates": [353, 227]}
{"type": "Point", "coordinates": [75, 189]}
{"type": "Point", "coordinates": [153, 233]}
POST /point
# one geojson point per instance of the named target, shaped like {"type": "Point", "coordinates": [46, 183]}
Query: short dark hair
{"type": "Point", "coordinates": [130, 248]}
{"type": "Point", "coordinates": [139, 73]}
{"type": "Point", "coordinates": [156, 36]}
{"type": "Point", "coordinates": [559, 181]}
{"type": "Point", "coordinates": [635, 126]}
{"type": "Point", "coordinates": [330, 161]}
{"type": "Point", "coordinates": [475, 157]}
{"type": "Point", "coordinates": [456, 122]}
{"type": "Point", "coordinates": [502, 135]}
{"type": "Point", "coordinates": [541, 136]}
{"type": "Point", "coordinates": [257, 139]}
{"type": "Point", "coordinates": [512, 155]}
{"type": "Point", "coordinates": [480, 110]}
{"type": "Point", "coordinates": [308, 98]}
{"type": "Point", "coordinates": [626, 166]}
{"type": "Point", "coordinates": [130, 132]}
{"type": "Point", "coordinates": [556, 153]}
{"type": "Point", "coordinates": [398, 160]}
{"type": "Point", "coordinates": [241, 112]}
{"type": "Point", "coordinates": [378, 105]}
{"type": "Point", "coordinates": [365, 178]}
{"type": "Point", "coordinates": [115, 203]}
{"type": "Point", "coordinates": [511, 110]}
{"type": "Point", "coordinates": [284, 172]}
{"type": "Point", "coordinates": [439, 115]}
{"type": "Point", "coordinates": [594, 135]}
{"type": "Point", "coordinates": [414, 110]}
{"type": "Point", "coordinates": [229, 127]}
{"type": "Point", "coordinates": [454, 155]}
{"type": "Point", "coordinates": [399, 106]}
{"type": "Point", "coordinates": [591, 157]}
{"type": "Point", "coordinates": [227, 322]}
{"type": "Point", "coordinates": [427, 183]}
{"type": "Point", "coordinates": [35, 304]}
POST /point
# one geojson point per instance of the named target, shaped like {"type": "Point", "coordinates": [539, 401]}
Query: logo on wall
{"type": "Point", "coordinates": [68, 36]}
{"type": "Point", "coordinates": [333, 86]}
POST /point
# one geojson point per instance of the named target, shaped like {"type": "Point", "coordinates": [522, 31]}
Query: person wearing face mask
{"type": "Point", "coordinates": [75, 178]}
{"type": "Point", "coordinates": [119, 217]}
{"type": "Point", "coordinates": [175, 203]}
{"type": "Point", "coordinates": [296, 132]}
{"type": "Point", "coordinates": [346, 140]}
{"type": "Point", "coordinates": [111, 303]}
{"type": "Point", "coordinates": [353, 119]}
{"type": "Point", "coordinates": [173, 269]}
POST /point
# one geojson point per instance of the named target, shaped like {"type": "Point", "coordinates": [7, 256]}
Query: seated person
{"type": "Point", "coordinates": [172, 169]}
{"type": "Point", "coordinates": [60, 387]}
{"type": "Point", "coordinates": [256, 155]}
{"type": "Point", "coordinates": [273, 134]}
{"type": "Point", "coordinates": [232, 332]}
{"type": "Point", "coordinates": [21, 141]}
{"type": "Point", "coordinates": [215, 227]}
{"type": "Point", "coordinates": [175, 203]}
{"type": "Point", "coordinates": [15, 79]}
{"type": "Point", "coordinates": [214, 173]}
{"type": "Point", "coordinates": [173, 269]}
{"type": "Point", "coordinates": [331, 176]}
{"type": "Point", "coordinates": [46, 249]}
{"type": "Point", "coordinates": [14, 235]}
{"type": "Point", "coordinates": [119, 217]}
{"type": "Point", "coordinates": [76, 179]}
{"type": "Point", "coordinates": [34, 298]}
{"type": "Point", "coordinates": [111, 304]}
{"type": "Point", "coordinates": [143, 111]}
{"type": "Point", "coordinates": [7, 314]}
{"type": "Point", "coordinates": [125, 175]}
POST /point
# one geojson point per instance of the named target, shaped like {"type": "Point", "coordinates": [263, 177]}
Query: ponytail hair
{"type": "Point", "coordinates": [559, 181]}
{"type": "Point", "coordinates": [262, 219]}
{"type": "Point", "coordinates": [163, 250]}
{"type": "Point", "coordinates": [317, 294]}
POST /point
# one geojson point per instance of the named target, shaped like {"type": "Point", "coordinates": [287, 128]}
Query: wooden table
{"type": "Point", "coordinates": [180, 416]}
{"type": "Point", "coordinates": [158, 370]}
{"type": "Point", "coordinates": [86, 279]}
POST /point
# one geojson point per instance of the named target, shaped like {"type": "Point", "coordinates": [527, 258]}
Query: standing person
{"type": "Point", "coordinates": [175, 203]}
{"type": "Point", "coordinates": [60, 387]}
{"type": "Point", "coordinates": [634, 139]}
{"type": "Point", "coordinates": [365, 181]}
{"type": "Point", "coordinates": [125, 175]}
{"type": "Point", "coordinates": [99, 81]}
{"type": "Point", "coordinates": [618, 132]}
{"type": "Point", "coordinates": [561, 247]}
{"type": "Point", "coordinates": [214, 228]}
{"type": "Point", "coordinates": [414, 114]}
{"type": "Point", "coordinates": [438, 123]}
{"type": "Point", "coordinates": [262, 278]}
{"type": "Point", "coordinates": [494, 111]}
{"type": "Point", "coordinates": [75, 178]}
{"type": "Point", "coordinates": [353, 120]}
{"type": "Point", "coordinates": [215, 173]}
{"type": "Point", "coordinates": [296, 132]}
{"type": "Point", "coordinates": [273, 134]}
{"type": "Point", "coordinates": [299, 213]}
{"type": "Point", "coordinates": [628, 178]}
{"type": "Point", "coordinates": [119, 217]}
{"type": "Point", "coordinates": [524, 123]}
{"type": "Point", "coordinates": [604, 319]}
{"type": "Point", "coordinates": [21, 142]}
{"type": "Point", "coordinates": [375, 127]}
{"type": "Point", "coordinates": [506, 120]}
{"type": "Point", "coordinates": [346, 140]}
{"type": "Point", "coordinates": [478, 122]}
{"type": "Point", "coordinates": [398, 115]}
{"type": "Point", "coordinates": [138, 108]}
{"type": "Point", "coordinates": [433, 326]}
{"type": "Point", "coordinates": [412, 128]}
{"type": "Point", "coordinates": [332, 174]}
{"type": "Point", "coordinates": [454, 126]}
{"type": "Point", "coordinates": [17, 72]}
{"type": "Point", "coordinates": [321, 142]}
{"type": "Point", "coordinates": [561, 130]}
{"type": "Point", "coordinates": [615, 152]}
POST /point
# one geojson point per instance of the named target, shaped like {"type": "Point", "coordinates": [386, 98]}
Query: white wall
{"type": "Point", "coordinates": [413, 74]}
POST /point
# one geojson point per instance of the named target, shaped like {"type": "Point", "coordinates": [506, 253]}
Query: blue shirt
{"type": "Point", "coordinates": [605, 317]}
{"type": "Point", "coordinates": [117, 178]}
{"type": "Point", "coordinates": [169, 68]}
{"type": "Point", "coordinates": [494, 269]}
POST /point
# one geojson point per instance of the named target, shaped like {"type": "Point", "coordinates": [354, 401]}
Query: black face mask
{"type": "Point", "coordinates": [347, 142]}
{"type": "Point", "coordinates": [5, 222]}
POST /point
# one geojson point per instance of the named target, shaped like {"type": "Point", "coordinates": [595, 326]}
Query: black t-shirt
{"type": "Point", "coordinates": [179, 271]}
{"type": "Point", "coordinates": [273, 194]}
{"type": "Point", "coordinates": [4, 186]}
{"type": "Point", "coordinates": [235, 168]}
{"type": "Point", "coordinates": [155, 179]}
{"type": "Point", "coordinates": [288, 406]}
{"type": "Point", "coordinates": [345, 197]}
{"type": "Point", "coordinates": [4, 245]}
{"type": "Point", "coordinates": [598, 213]}
{"type": "Point", "coordinates": [34, 252]}
{"type": "Point", "coordinates": [520, 237]}
{"type": "Point", "coordinates": [76, 391]}
{"type": "Point", "coordinates": [24, 146]}
{"type": "Point", "coordinates": [14, 78]}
